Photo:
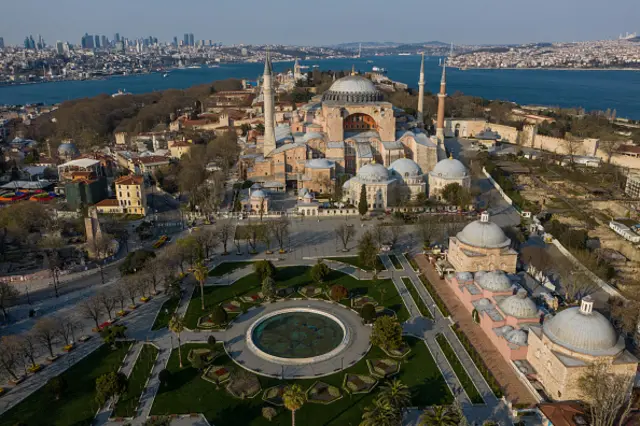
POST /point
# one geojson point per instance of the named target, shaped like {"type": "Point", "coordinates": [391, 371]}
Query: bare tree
{"type": "Point", "coordinates": [610, 148]}
{"type": "Point", "coordinates": [573, 147]}
{"type": "Point", "coordinates": [395, 230]}
{"type": "Point", "coordinates": [576, 285]}
{"type": "Point", "coordinates": [8, 295]}
{"type": "Point", "coordinates": [108, 302]}
{"type": "Point", "coordinates": [253, 232]}
{"type": "Point", "coordinates": [154, 272]}
{"type": "Point", "coordinates": [345, 233]}
{"type": "Point", "coordinates": [427, 229]}
{"type": "Point", "coordinates": [45, 332]}
{"type": "Point", "coordinates": [131, 287]}
{"type": "Point", "coordinates": [625, 314]}
{"type": "Point", "coordinates": [208, 239]}
{"type": "Point", "coordinates": [29, 346]}
{"type": "Point", "coordinates": [178, 256]}
{"type": "Point", "coordinates": [380, 233]}
{"type": "Point", "coordinates": [92, 309]}
{"type": "Point", "coordinates": [120, 294]}
{"type": "Point", "coordinates": [607, 394]}
{"type": "Point", "coordinates": [266, 233]}
{"type": "Point", "coordinates": [52, 246]}
{"type": "Point", "coordinates": [101, 247]}
{"type": "Point", "coordinates": [64, 327]}
{"type": "Point", "coordinates": [281, 231]}
{"type": "Point", "coordinates": [11, 356]}
{"type": "Point", "coordinates": [224, 233]}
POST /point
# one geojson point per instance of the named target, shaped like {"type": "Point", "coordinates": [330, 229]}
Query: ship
{"type": "Point", "coordinates": [404, 54]}
{"type": "Point", "coordinates": [379, 69]}
{"type": "Point", "coordinates": [165, 75]}
{"type": "Point", "coordinates": [316, 66]}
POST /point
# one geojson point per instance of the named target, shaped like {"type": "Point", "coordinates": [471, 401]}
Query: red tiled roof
{"type": "Point", "coordinates": [108, 202]}
{"type": "Point", "coordinates": [130, 180]}
{"type": "Point", "coordinates": [562, 413]}
{"type": "Point", "coordinates": [630, 149]}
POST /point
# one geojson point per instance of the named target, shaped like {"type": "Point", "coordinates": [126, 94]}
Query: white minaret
{"type": "Point", "coordinates": [269, 110]}
{"type": "Point", "coordinates": [421, 94]}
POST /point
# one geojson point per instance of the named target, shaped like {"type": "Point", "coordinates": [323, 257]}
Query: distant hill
{"type": "Point", "coordinates": [385, 44]}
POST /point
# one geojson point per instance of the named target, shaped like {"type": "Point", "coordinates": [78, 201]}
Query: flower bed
{"type": "Point", "coordinates": [216, 374]}
{"type": "Point", "coordinates": [207, 355]}
{"type": "Point", "coordinates": [69, 347]}
{"type": "Point", "coordinates": [84, 338]}
{"type": "Point", "coordinates": [253, 298]}
{"type": "Point", "coordinates": [273, 395]}
{"type": "Point", "coordinates": [400, 352]}
{"type": "Point", "coordinates": [310, 291]}
{"type": "Point", "coordinates": [383, 368]}
{"type": "Point", "coordinates": [233, 307]}
{"type": "Point", "coordinates": [358, 383]}
{"type": "Point", "coordinates": [247, 387]}
{"type": "Point", "coordinates": [2, 391]}
{"type": "Point", "coordinates": [360, 301]}
{"type": "Point", "coordinates": [322, 393]}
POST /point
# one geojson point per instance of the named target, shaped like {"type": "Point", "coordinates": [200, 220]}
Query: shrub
{"type": "Point", "coordinates": [319, 272]}
{"type": "Point", "coordinates": [387, 333]}
{"type": "Point", "coordinates": [269, 413]}
{"type": "Point", "coordinates": [164, 376]}
{"type": "Point", "coordinates": [211, 341]}
{"type": "Point", "coordinates": [368, 312]}
{"type": "Point", "coordinates": [219, 315]}
{"type": "Point", "coordinates": [338, 292]}
{"type": "Point", "coordinates": [264, 269]}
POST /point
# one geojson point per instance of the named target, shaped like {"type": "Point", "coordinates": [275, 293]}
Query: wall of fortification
{"type": "Point", "coordinates": [507, 133]}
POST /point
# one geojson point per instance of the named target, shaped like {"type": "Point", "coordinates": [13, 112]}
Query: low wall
{"type": "Point", "coordinates": [507, 133]}
{"type": "Point", "coordinates": [497, 187]}
{"type": "Point", "coordinates": [603, 285]}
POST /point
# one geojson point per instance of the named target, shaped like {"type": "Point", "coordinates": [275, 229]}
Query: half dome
{"type": "Point", "coordinates": [320, 163]}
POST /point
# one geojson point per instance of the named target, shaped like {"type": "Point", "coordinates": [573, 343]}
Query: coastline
{"type": "Point", "coordinates": [543, 69]}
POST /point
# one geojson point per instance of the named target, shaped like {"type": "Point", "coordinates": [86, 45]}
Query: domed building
{"type": "Point", "coordinates": [446, 172]}
{"type": "Point", "coordinates": [350, 125]}
{"type": "Point", "coordinates": [380, 187]}
{"type": "Point", "coordinates": [482, 245]}
{"type": "Point", "coordinates": [257, 203]}
{"type": "Point", "coordinates": [568, 343]}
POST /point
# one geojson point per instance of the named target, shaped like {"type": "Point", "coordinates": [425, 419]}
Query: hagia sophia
{"type": "Point", "coordinates": [351, 132]}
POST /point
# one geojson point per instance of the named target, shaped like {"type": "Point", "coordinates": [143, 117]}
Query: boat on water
{"type": "Point", "coordinates": [195, 67]}
{"type": "Point", "coordinates": [214, 66]}
{"type": "Point", "coordinates": [165, 75]}
{"type": "Point", "coordinates": [369, 61]}
{"type": "Point", "coordinates": [316, 66]}
{"type": "Point", "coordinates": [120, 92]}
{"type": "Point", "coordinates": [304, 67]}
{"type": "Point", "coordinates": [404, 54]}
{"type": "Point", "coordinates": [379, 69]}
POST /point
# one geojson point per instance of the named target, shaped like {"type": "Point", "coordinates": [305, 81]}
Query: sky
{"type": "Point", "coordinates": [323, 22]}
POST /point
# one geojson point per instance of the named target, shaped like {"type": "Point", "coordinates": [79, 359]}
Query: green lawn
{"type": "Point", "coordinates": [416, 297]}
{"type": "Point", "coordinates": [129, 399]}
{"type": "Point", "coordinates": [77, 407]}
{"type": "Point", "coordinates": [227, 268]}
{"type": "Point", "coordinates": [355, 261]}
{"type": "Point", "coordinates": [166, 312]}
{"type": "Point", "coordinates": [395, 261]}
{"type": "Point", "coordinates": [295, 276]}
{"type": "Point", "coordinates": [461, 373]}
{"type": "Point", "coordinates": [412, 262]}
{"type": "Point", "coordinates": [188, 393]}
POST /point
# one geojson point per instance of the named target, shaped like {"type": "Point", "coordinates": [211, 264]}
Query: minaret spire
{"type": "Point", "coordinates": [269, 141]}
{"type": "Point", "coordinates": [441, 98]}
{"type": "Point", "coordinates": [421, 94]}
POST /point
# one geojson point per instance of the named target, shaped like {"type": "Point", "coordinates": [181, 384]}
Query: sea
{"type": "Point", "coordinates": [589, 89]}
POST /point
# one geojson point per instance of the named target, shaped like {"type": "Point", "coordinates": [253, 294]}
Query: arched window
{"type": "Point", "coordinates": [359, 121]}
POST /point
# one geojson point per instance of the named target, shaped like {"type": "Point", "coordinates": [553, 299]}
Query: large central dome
{"type": "Point", "coordinates": [483, 234]}
{"type": "Point", "coordinates": [353, 89]}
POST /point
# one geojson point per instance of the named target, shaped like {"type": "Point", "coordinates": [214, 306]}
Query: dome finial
{"type": "Point", "coordinates": [484, 216]}
{"type": "Point", "coordinates": [353, 69]}
{"type": "Point", "coordinates": [586, 305]}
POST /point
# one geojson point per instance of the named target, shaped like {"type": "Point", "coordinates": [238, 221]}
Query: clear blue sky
{"type": "Point", "coordinates": [323, 21]}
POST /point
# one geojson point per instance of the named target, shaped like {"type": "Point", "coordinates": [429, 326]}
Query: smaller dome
{"type": "Point", "coordinates": [406, 167]}
{"type": "Point", "coordinates": [256, 186]}
{"type": "Point", "coordinates": [464, 276]}
{"type": "Point", "coordinates": [519, 305]}
{"type": "Point", "coordinates": [517, 337]}
{"type": "Point", "coordinates": [258, 194]}
{"type": "Point", "coordinates": [505, 329]}
{"type": "Point", "coordinates": [312, 135]}
{"type": "Point", "coordinates": [373, 173]}
{"type": "Point", "coordinates": [320, 163]}
{"type": "Point", "coordinates": [346, 185]}
{"type": "Point", "coordinates": [450, 168]}
{"type": "Point", "coordinates": [494, 281]}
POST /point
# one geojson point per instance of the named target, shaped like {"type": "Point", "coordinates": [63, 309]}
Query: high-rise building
{"type": "Point", "coordinates": [175, 41]}
{"type": "Point", "coordinates": [186, 39]}
{"type": "Point", "coordinates": [59, 47]}
{"type": "Point", "coordinates": [116, 38]}
{"type": "Point", "coordinates": [1, 43]}
{"type": "Point", "coordinates": [104, 41]}
{"type": "Point", "coordinates": [32, 43]}
{"type": "Point", "coordinates": [96, 41]}
{"type": "Point", "coordinates": [192, 41]}
{"type": "Point", "coordinates": [27, 43]}
{"type": "Point", "coordinates": [119, 47]}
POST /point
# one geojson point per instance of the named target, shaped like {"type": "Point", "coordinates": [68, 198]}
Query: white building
{"type": "Point", "coordinates": [624, 231]}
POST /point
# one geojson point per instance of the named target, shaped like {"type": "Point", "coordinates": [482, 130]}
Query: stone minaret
{"type": "Point", "coordinates": [269, 111]}
{"type": "Point", "coordinates": [297, 71]}
{"type": "Point", "coordinates": [421, 94]}
{"type": "Point", "coordinates": [441, 97]}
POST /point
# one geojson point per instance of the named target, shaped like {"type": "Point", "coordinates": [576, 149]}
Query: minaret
{"type": "Point", "coordinates": [353, 70]}
{"type": "Point", "coordinates": [441, 97]}
{"type": "Point", "coordinates": [269, 143]}
{"type": "Point", "coordinates": [297, 73]}
{"type": "Point", "coordinates": [421, 94]}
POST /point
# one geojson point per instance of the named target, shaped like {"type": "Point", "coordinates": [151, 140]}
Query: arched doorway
{"type": "Point", "coordinates": [359, 122]}
{"type": "Point", "coordinates": [457, 130]}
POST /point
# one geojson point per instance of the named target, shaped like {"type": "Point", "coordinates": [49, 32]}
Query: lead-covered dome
{"type": "Point", "coordinates": [406, 167]}
{"type": "Point", "coordinates": [483, 234]}
{"type": "Point", "coordinates": [320, 163]}
{"type": "Point", "coordinates": [354, 89]}
{"type": "Point", "coordinates": [494, 281]}
{"type": "Point", "coordinates": [450, 168]}
{"type": "Point", "coordinates": [519, 305]}
{"type": "Point", "coordinates": [373, 173]}
{"type": "Point", "coordinates": [581, 329]}
{"type": "Point", "coordinates": [258, 194]}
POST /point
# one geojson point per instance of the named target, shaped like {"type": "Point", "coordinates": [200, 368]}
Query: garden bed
{"type": "Point", "coordinates": [434, 295]}
{"type": "Point", "coordinates": [424, 311]}
{"type": "Point", "coordinates": [128, 401]}
{"type": "Point", "coordinates": [357, 262]}
{"type": "Point", "coordinates": [396, 262]}
{"type": "Point", "coordinates": [166, 312]}
{"type": "Point", "coordinates": [458, 368]}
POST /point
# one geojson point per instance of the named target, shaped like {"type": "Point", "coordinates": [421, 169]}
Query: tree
{"type": "Point", "coordinates": [395, 394]}
{"type": "Point", "coordinates": [110, 385]}
{"type": "Point", "coordinates": [190, 250]}
{"type": "Point", "coordinates": [293, 399]}
{"type": "Point", "coordinates": [224, 233]}
{"type": "Point", "coordinates": [176, 325]}
{"type": "Point", "coordinates": [100, 247]}
{"type": "Point", "coordinates": [219, 315]}
{"type": "Point", "coordinates": [45, 331]}
{"type": "Point", "coordinates": [92, 309]}
{"type": "Point", "coordinates": [8, 294]}
{"type": "Point", "coordinates": [211, 341]}
{"type": "Point", "coordinates": [576, 285]}
{"type": "Point", "coordinates": [208, 239]}
{"type": "Point", "coordinates": [268, 288]}
{"type": "Point", "coordinates": [65, 326]}
{"type": "Point", "coordinates": [362, 203]}
{"type": "Point", "coordinates": [439, 415]}
{"type": "Point", "coordinates": [368, 251]}
{"type": "Point", "coordinates": [52, 246]}
{"type": "Point", "coordinates": [338, 292]}
{"type": "Point", "coordinates": [395, 229]}
{"type": "Point", "coordinates": [11, 357]}
{"type": "Point", "coordinates": [379, 414]}
{"type": "Point", "coordinates": [281, 231]}
{"type": "Point", "coordinates": [201, 272]}
{"type": "Point", "coordinates": [266, 232]}
{"type": "Point", "coordinates": [57, 386]}
{"type": "Point", "coordinates": [345, 233]}
{"type": "Point", "coordinates": [252, 235]}
{"type": "Point", "coordinates": [28, 346]}
{"type": "Point", "coordinates": [319, 272]}
{"type": "Point", "coordinates": [269, 413]}
{"type": "Point", "coordinates": [164, 377]}
{"type": "Point", "coordinates": [112, 333]}
{"type": "Point", "coordinates": [427, 231]}
{"type": "Point", "coordinates": [387, 333]}
{"type": "Point", "coordinates": [368, 312]}
{"type": "Point", "coordinates": [108, 303]}
{"type": "Point", "coordinates": [264, 269]}
{"type": "Point", "coordinates": [573, 147]}
{"type": "Point", "coordinates": [451, 193]}
{"type": "Point", "coordinates": [608, 394]}
{"type": "Point", "coordinates": [609, 147]}
{"type": "Point", "coordinates": [132, 286]}
{"type": "Point", "coordinates": [155, 272]}
{"type": "Point", "coordinates": [380, 233]}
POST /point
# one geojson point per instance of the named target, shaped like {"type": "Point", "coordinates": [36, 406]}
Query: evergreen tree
{"type": "Point", "coordinates": [362, 204]}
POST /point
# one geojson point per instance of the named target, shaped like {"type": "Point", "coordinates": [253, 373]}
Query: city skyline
{"type": "Point", "coordinates": [492, 22]}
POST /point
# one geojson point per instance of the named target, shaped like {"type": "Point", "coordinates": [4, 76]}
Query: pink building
{"type": "Point", "coordinates": [504, 317]}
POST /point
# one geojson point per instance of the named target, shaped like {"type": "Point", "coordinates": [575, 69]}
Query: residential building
{"type": "Point", "coordinates": [624, 231]}
{"type": "Point", "coordinates": [632, 188]}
